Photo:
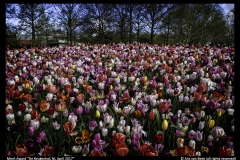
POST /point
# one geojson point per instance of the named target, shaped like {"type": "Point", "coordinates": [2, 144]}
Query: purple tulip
{"type": "Point", "coordinates": [92, 125]}
{"type": "Point", "coordinates": [198, 136]}
{"type": "Point", "coordinates": [79, 110]}
{"type": "Point", "coordinates": [30, 131]}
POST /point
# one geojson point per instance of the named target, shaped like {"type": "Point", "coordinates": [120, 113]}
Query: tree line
{"type": "Point", "coordinates": [154, 23]}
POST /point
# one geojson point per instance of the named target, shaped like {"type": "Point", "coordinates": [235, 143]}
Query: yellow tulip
{"type": "Point", "coordinates": [145, 79]}
{"type": "Point", "coordinates": [73, 66]}
{"type": "Point", "coordinates": [27, 85]}
{"type": "Point", "coordinates": [215, 61]}
{"type": "Point", "coordinates": [219, 113]}
{"type": "Point", "coordinates": [211, 123]}
{"type": "Point", "coordinates": [165, 124]}
{"type": "Point", "coordinates": [97, 113]}
{"type": "Point", "coordinates": [111, 88]}
{"type": "Point", "coordinates": [196, 57]}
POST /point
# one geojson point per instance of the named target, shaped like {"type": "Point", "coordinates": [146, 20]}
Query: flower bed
{"type": "Point", "coordinates": [120, 100]}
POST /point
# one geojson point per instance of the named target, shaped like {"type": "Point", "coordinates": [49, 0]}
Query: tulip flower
{"type": "Point", "coordinates": [97, 113]}
{"type": "Point", "coordinates": [211, 123]}
{"type": "Point", "coordinates": [35, 124]}
{"type": "Point", "coordinates": [151, 116]}
{"type": "Point", "coordinates": [164, 124]}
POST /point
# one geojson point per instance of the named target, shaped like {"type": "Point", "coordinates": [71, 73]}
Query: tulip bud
{"type": "Point", "coordinates": [104, 132]}
{"type": "Point", "coordinates": [201, 125]}
{"type": "Point", "coordinates": [19, 113]}
{"type": "Point", "coordinates": [184, 128]}
{"type": "Point", "coordinates": [29, 110]}
{"type": "Point", "coordinates": [10, 117]}
{"type": "Point", "coordinates": [111, 123]}
{"type": "Point", "coordinates": [233, 128]}
{"type": "Point", "coordinates": [35, 124]}
{"type": "Point", "coordinates": [97, 113]}
{"type": "Point", "coordinates": [120, 129]}
{"type": "Point", "coordinates": [202, 114]}
{"type": "Point", "coordinates": [210, 138]}
{"type": "Point", "coordinates": [211, 123]}
{"type": "Point", "coordinates": [110, 88]}
{"type": "Point", "coordinates": [100, 124]}
{"type": "Point", "coordinates": [164, 124]}
{"type": "Point", "coordinates": [192, 144]}
{"type": "Point", "coordinates": [113, 132]}
{"type": "Point", "coordinates": [219, 113]}
{"type": "Point", "coordinates": [151, 116]}
{"type": "Point", "coordinates": [230, 111]}
{"type": "Point", "coordinates": [27, 86]}
{"type": "Point", "coordinates": [27, 117]}
{"type": "Point", "coordinates": [198, 153]}
{"type": "Point", "coordinates": [77, 149]}
{"type": "Point", "coordinates": [145, 79]}
{"type": "Point", "coordinates": [180, 142]}
{"type": "Point", "coordinates": [127, 129]}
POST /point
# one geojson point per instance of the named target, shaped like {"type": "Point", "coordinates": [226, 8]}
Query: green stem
{"type": "Point", "coordinates": [164, 136]}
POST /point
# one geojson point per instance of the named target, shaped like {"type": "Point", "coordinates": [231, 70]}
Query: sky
{"type": "Point", "coordinates": [227, 7]}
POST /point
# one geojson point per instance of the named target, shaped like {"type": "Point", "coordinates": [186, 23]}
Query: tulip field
{"type": "Point", "coordinates": [120, 99]}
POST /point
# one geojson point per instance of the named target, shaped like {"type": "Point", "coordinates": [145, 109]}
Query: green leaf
{"type": "Point", "coordinates": [120, 91]}
{"type": "Point", "coordinates": [63, 151]}
{"type": "Point", "coordinates": [17, 140]}
{"type": "Point", "coordinates": [158, 119]}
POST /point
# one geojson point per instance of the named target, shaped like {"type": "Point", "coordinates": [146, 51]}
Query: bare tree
{"type": "Point", "coordinates": [120, 14]}
{"type": "Point", "coordinates": [130, 9]}
{"type": "Point", "coordinates": [99, 18]}
{"type": "Point", "coordinates": [28, 15]}
{"type": "Point", "coordinates": [153, 14]}
{"type": "Point", "coordinates": [69, 16]}
{"type": "Point", "coordinates": [138, 19]}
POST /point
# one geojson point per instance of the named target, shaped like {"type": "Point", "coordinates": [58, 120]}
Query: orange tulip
{"type": "Point", "coordinates": [80, 97]}
{"type": "Point", "coordinates": [21, 150]}
{"type": "Point", "coordinates": [151, 116]}
{"type": "Point", "coordinates": [118, 138]}
{"type": "Point", "coordinates": [224, 151]}
{"type": "Point", "coordinates": [59, 70]}
{"type": "Point", "coordinates": [35, 115]}
{"type": "Point", "coordinates": [70, 71]}
{"type": "Point", "coordinates": [97, 153]}
{"type": "Point", "coordinates": [61, 96]}
{"type": "Point", "coordinates": [197, 95]}
{"type": "Point", "coordinates": [86, 136]}
{"type": "Point", "coordinates": [126, 98]}
{"type": "Point", "coordinates": [137, 113]}
{"type": "Point", "coordinates": [217, 96]}
{"type": "Point", "coordinates": [48, 150]}
{"type": "Point", "coordinates": [169, 69]}
{"type": "Point", "coordinates": [28, 98]}
{"type": "Point", "coordinates": [61, 106]}
{"type": "Point", "coordinates": [121, 150]}
{"type": "Point", "coordinates": [163, 107]}
{"type": "Point", "coordinates": [202, 87]}
{"type": "Point", "coordinates": [68, 88]}
{"type": "Point", "coordinates": [69, 127]}
{"type": "Point", "coordinates": [44, 105]}
{"type": "Point", "coordinates": [148, 150]}
{"type": "Point", "coordinates": [184, 151]}
{"type": "Point", "coordinates": [88, 88]}
{"type": "Point", "coordinates": [53, 89]}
